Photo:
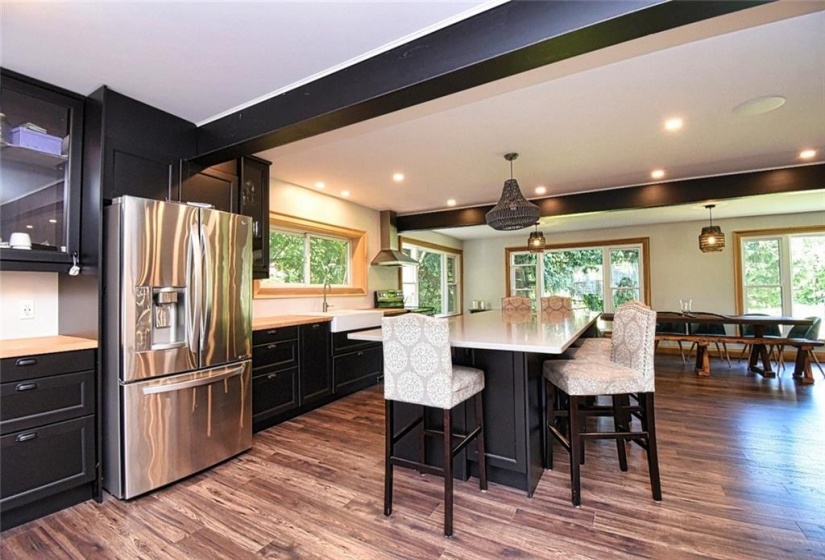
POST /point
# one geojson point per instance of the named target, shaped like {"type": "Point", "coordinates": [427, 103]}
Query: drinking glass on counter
{"type": "Point", "coordinates": [686, 305]}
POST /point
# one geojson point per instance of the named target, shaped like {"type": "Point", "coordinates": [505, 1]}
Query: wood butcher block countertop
{"type": "Point", "coordinates": [18, 347]}
{"type": "Point", "coordinates": [280, 321]}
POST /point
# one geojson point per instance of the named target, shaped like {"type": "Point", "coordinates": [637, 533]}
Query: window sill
{"type": "Point", "coordinates": [304, 291]}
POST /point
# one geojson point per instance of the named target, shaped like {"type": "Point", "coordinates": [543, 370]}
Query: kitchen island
{"type": "Point", "coordinates": [510, 348]}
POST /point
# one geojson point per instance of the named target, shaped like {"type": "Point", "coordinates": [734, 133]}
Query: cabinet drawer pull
{"type": "Point", "coordinates": [22, 362]}
{"type": "Point", "coordinates": [26, 387]}
{"type": "Point", "coordinates": [26, 437]}
{"type": "Point", "coordinates": [360, 354]}
{"type": "Point", "coordinates": [271, 346]}
{"type": "Point", "coordinates": [272, 331]}
{"type": "Point", "coordinates": [316, 325]}
{"type": "Point", "coordinates": [272, 376]}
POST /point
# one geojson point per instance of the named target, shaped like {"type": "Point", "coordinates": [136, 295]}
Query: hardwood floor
{"type": "Point", "coordinates": [742, 461]}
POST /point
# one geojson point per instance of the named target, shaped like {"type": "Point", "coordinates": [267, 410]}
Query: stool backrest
{"type": "Point", "coordinates": [556, 303]}
{"type": "Point", "coordinates": [516, 303]}
{"type": "Point", "coordinates": [633, 338]}
{"type": "Point", "coordinates": [417, 361]}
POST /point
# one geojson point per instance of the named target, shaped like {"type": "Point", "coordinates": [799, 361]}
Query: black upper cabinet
{"type": "Point", "coordinates": [41, 138]}
{"type": "Point", "coordinates": [254, 202]}
{"type": "Point", "coordinates": [240, 186]}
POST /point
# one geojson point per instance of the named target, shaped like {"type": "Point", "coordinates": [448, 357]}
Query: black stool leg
{"type": "Point", "coordinates": [482, 453]}
{"type": "Point", "coordinates": [448, 474]}
{"type": "Point", "coordinates": [649, 425]}
{"type": "Point", "coordinates": [622, 425]}
{"type": "Point", "coordinates": [575, 448]}
{"type": "Point", "coordinates": [549, 420]}
{"type": "Point", "coordinates": [389, 431]}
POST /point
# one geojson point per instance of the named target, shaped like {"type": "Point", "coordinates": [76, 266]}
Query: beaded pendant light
{"type": "Point", "coordinates": [711, 240]}
{"type": "Point", "coordinates": [536, 242]}
{"type": "Point", "coordinates": [513, 211]}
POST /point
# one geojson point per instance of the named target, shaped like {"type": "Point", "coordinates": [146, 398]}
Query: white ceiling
{"type": "Point", "coordinates": [589, 123]}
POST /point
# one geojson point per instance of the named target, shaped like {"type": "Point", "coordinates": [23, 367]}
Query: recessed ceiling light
{"type": "Point", "coordinates": [541, 190]}
{"type": "Point", "coordinates": [451, 202]}
{"type": "Point", "coordinates": [320, 185]}
{"type": "Point", "coordinates": [657, 173]}
{"type": "Point", "coordinates": [397, 177]}
{"type": "Point", "coordinates": [807, 154]}
{"type": "Point", "coordinates": [674, 124]}
{"type": "Point", "coordinates": [759, 105]}
{"type": "Point", "coordinates": [52, 221]}
{"type": "Point", "coordinates": [29, 227]}
{"type": "Point", "coordinates": [345, 194]}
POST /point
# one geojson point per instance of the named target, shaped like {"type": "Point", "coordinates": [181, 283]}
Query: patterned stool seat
{"type": "Point", "coordinates": [594, 377]}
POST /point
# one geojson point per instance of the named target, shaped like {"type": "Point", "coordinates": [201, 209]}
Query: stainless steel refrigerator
{"type": "Point", "coordinates": [176, 356]}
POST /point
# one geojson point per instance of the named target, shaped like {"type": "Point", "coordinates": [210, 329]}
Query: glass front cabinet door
{"type": "Point", "coordinates": [41, 132]}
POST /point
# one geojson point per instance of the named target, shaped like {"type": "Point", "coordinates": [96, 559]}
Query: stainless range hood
{"type": "Point", "coordinates": [389, 255]}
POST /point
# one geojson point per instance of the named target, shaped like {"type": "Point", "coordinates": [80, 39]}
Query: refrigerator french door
{"type": "Point", "coordinates": [176, 359]}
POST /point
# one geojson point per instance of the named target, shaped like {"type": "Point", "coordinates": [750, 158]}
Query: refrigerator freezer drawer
{"type": "Point", "coordinates": [179, 425]}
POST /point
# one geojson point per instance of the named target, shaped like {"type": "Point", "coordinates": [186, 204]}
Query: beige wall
{"type": "Point", "coordinates": [42, 289]}
{"type": "Point", "coordinates": [677, 268]}
{"type": "Point", "coordinates": [303, 203]}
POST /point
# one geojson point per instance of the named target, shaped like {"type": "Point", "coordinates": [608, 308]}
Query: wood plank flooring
{"type": "Point", "coordinates": [742, 461]}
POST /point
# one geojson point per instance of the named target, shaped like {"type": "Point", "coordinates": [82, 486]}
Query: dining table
{"type": "Point", "coordinates": [759, 350]}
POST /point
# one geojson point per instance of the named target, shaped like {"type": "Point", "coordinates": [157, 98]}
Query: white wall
{"type": "Point", "coordinates": [434, 238]}
{"type": "Point", "coordinates": [39, 287]}
{"type": "Point", "coordinates": [303, 203]}
{"type": "Point", "coordinates": [678, 269]}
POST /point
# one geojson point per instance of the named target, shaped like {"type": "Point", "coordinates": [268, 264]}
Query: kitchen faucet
{"type": "Point", "coordinates": [326, 288]}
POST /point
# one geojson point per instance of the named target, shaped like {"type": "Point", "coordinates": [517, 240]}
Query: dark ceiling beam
{"type": "Point", "coordinates": [501, 42]}
{"type": "Point", "coordinates": [804, 178]}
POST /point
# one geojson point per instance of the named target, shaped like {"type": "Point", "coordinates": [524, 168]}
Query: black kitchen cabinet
{"type": "Point", "coordinates": [240, 186]}
{"type": "Point", "coordinates": [316, 375]}
{"type": "Point", "coordinates": [275, 362]}
{"type": "Point", "coordinates": [254, 202]}
{"type": "Point", "coordinates": [41, 146]}
{"type": "Point", "coordinates": [356, 364]}
{"type": "Point", "coordinates": [47, 434]}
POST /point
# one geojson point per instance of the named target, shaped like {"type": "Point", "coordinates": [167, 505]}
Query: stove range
{"type": "Point", "coordinates": [394, 299]}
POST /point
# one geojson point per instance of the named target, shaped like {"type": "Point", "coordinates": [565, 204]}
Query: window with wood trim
{"type": "Point", "coordinates": [781, 272]}
{"type": "Point", "coordinates": [437, 281]}
{"type": "Point", "coordinates": [305, 255]}
{"type": "Point", "coordinates": [598, 276]}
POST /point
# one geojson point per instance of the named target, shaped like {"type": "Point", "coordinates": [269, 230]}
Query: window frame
{"type": "Point", "coordinates": [606, 246]}
{"type": "Point", "coordinates": [445, 252]}
{"type": "Point", "coordinates": [357, 272]}
{"type": "Point", "coordinates": [784, 236]}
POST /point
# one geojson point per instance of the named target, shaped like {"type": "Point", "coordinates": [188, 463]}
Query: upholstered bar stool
{"type": "Point", "coordinates": [517, 303]}
{"type": "Point", "coordinates": [629, 371]}
{"type": "Point", "coordinates": [597, 347]}
{"type": "Point", "coordinates": [418, 369]}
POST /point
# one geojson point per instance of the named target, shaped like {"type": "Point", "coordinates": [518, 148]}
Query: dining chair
{"type": "Point", "coordinates": [715, 329]}
{"type": "Point", "coordinates": [673, 328]}
{"type": "Point", "coordinates": [517, 303]}
{"type": "Point", "coordinates": [418, 370]}
{"type": "Point", "coordinates": [803, 332]}
{"type": "Point", "coordinates": [569, 384]}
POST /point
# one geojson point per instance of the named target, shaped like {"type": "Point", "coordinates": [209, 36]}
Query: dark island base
{"type": "Point", "coordinates": [513, 404]}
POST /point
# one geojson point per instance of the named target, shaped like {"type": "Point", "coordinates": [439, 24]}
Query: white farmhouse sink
{"type": "Point", "coordinates": [350, 319]}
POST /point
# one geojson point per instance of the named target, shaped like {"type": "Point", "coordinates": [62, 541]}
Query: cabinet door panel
{"type": "Point", "coordinates": [279, 355]}
{"type": "Point", "coordinates": [32, 403]}
{"type": "Point", "coordinates": [316, 375]}
{"type": "Point", "coordinates": [43, 461]}
{"type": "Point", "coordinates": [254, 202]}
{"type": "Point", "coordinates": [357, 368]}
{"type": "Point", "coordinates": [273, 392]}
{"type": "Point", "coordinates": [211, 186]}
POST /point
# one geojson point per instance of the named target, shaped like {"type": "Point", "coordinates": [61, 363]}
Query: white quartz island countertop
{"type": "Point", "coordinates": [546, 333]}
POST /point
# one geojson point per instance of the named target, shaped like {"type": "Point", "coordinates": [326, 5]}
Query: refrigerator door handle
{"type": "Point", "coordinates": [206, 278]}
{"type": "Point", "coordinates": [172, 387]}
{"type": "Point", "coordinates": [194, 274]}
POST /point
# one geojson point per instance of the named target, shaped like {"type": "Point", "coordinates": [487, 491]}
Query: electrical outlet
{"type": "Point", "coordinates": [26, 309]}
